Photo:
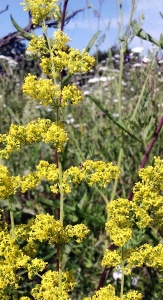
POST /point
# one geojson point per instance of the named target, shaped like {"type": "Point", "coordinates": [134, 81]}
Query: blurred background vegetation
{"type": "Point", "coordinates": [100, 129]}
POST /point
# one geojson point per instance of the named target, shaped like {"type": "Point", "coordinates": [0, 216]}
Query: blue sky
{"type": "Point", "coordinates": [83, 26]}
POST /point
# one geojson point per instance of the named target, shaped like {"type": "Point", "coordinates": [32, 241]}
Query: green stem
{"type": "Point", "coordinates": [116, 180]}
{"type": "Point", "coordinates": [141, 94]}
{"type": "Point", "coordinates": [13, 236]}
{"type": "Point", "coordinates": [120, 82]}
{"type": "Point", "coordinates": [122, 279]}
{"type": "Point", "coordinates": [121, 60]}
{"type": "Point", "coordinates": [61, 220]}
{"type": "Point", "coordinates": [123, 49]}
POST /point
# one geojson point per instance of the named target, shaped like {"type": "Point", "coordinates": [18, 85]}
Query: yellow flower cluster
{"type": "Point", "coordinates": [91, 172]}
{"type": "Point", "coordinates": [108, 293]}
{"type": "Point", "coordinates": [119, 226]}
{"type": "Point", "coordinates": [46, 93]}
{"type": "Point", "coordinates": [42, 130]}
{"type": "Point", "coordinates": [41, 90]}
{"type": "Point", "coordinates": [45, 171]}
{"type": "Point", "coordinates": [73, 60]}
{"type": "Point", "coordinates": [13, 259]}
{"type": "Point", "coordinates": [148, 255]}
{"type": "Point", "coordinates": [46, 228]}
{"type": "Point", "coordinates": [8, 183]}
{"type": "Point", "coordinates": [37, 265]}
{"type": "Point", "coordinates": [48, 289]}
{"type": "Point", "coordinates": [148, 196]}
{"type": "Point", "coordinates": [111, 259]}
{"type": "Point", "coordinates": [41, 10]}
{"type": "Point", "coordinates": [55, 57]}
{"type": "Point", "coordinates": [60, 55]}
{"type": "Point", "coordinates": [146, 209]}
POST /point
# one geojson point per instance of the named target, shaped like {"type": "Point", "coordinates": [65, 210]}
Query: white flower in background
{"type": "Point", "coordinates": [137, 50]}
{"type": "Point", "coordinates": [124, 83]}
{"type": "Point", "coordinates": [9, 60]}
{"type": "Point", "coordinates": [145, 59]}
{"type": "Point", "coordinates": [137, 65]}
{"type": "Point", "coordinates": [48, 109]}
{"type": "Point", "coordinates": [70, 119]}
{"type": "Point", "coordinates": [154, 49]}
{"type": "Point", "coordinates": [117, 275]}
{"type": "Point", "coordinates": [110, 78]}
{"type": "Point", "coordinates": [160, 61]}
{"type": "Point", "coordinates": [12, 63]}
{"type": "Point", "coordinates": [86, 93]}
{"type": "Point", "coordinates": [117, 56]}
{"type": "Point", "coordinates": [115, 115]}
{"type": "Point", "coordinates": [134, 281]}
{"type": "Point", "coordinates": [93, 80]}
{"type": "Point", "coordinates": [28, 53]}
{"type": "Point", "coordinates": [4, 57]}
{"type": "Point", "coordinates": [102, 68]}
{"type": "Point", "coordinates": [103, 78]}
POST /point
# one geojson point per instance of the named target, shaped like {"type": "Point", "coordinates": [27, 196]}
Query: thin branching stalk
{"type": "Point", "coordinates": [148, 150]}
{"type": "Point", "coordinates": [142, 91]}
{"type": "Point", "coordinates": [123, 48]}
{"type": "Point", "coordinates": [13, 236]}
{"type": "Point", "coordinates": [122, 270]}
{"type": "Point", "coordinates": [116, 180]}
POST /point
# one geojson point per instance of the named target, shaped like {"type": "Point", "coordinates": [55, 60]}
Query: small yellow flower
{"type": "Point", "coordinates": [41, 10]}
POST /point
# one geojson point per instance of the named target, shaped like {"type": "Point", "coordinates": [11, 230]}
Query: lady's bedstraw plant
{"type": "Point", "coordinates": [146, 210]}
{"type": "Point", "coordinates": [18, 244]}
{"type": "Point", "coordinates": [55, 56]}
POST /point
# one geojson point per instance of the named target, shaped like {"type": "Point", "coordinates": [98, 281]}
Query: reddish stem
{"type": "Point", "coordinates": [64, 14]}
{"type": "Point", "coordinates": [148, 150]}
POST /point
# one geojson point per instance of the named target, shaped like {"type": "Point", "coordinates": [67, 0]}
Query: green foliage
{"type": "Point", "coordinates": [95, 130]}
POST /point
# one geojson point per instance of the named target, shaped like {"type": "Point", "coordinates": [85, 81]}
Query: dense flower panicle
{"type": "Point", "coordinates": [41, 10]}
{"type": "Point", "coordinates": [148, 255]}
{"type": "Point", "coordinates": [12, 258]}
{"type": "Point", "coordinates": [46, 93]}
{"type": "Point", "coordinates": [73, 61]}
{"type": "Point", "coordinates": [48, 289]}
{"type": "Point", "coordinates": [46, 228]}
{"type": "Point", "coordinates": [111, 258]}
{"type": "Point", "coordinates": [37, 265]}
{"type": "Point", "coordinates": [8, 183]}
{"type": "Point", "coordinates": [79, 61]}
{"type": "Point", "coordinates": [42, 90]}
{"type": "Point", "coordinates": [147, 195]}
{"type": "Point", "coordinates": [132, 295]}
{"type": "Point", "coordinates": [38, 44]}
{"type": "Point", "coordinates": [42, 130]}
{"type": "Point", "coordinates": [91, 172]}
{"type": "Point", "coordinates": [119, 226]}
{"type": "Point", "coordinates": [107, 292]}
{"type": "Point", "coordinates": [60, 40]}
{"type": "Point", "coordinates": [71, 94]}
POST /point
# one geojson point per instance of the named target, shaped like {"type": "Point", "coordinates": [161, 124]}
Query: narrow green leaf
{"type": "Point", "coordinates": [161, 15]}
{"type": "Point", "coordinates": [23, 33]}
{"type": "Point", "coordinates": [119, 123]}
{"type": "Point", "coordinates": [92, 41]}
{"type": "Point", "coordinates": [138, 31]}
